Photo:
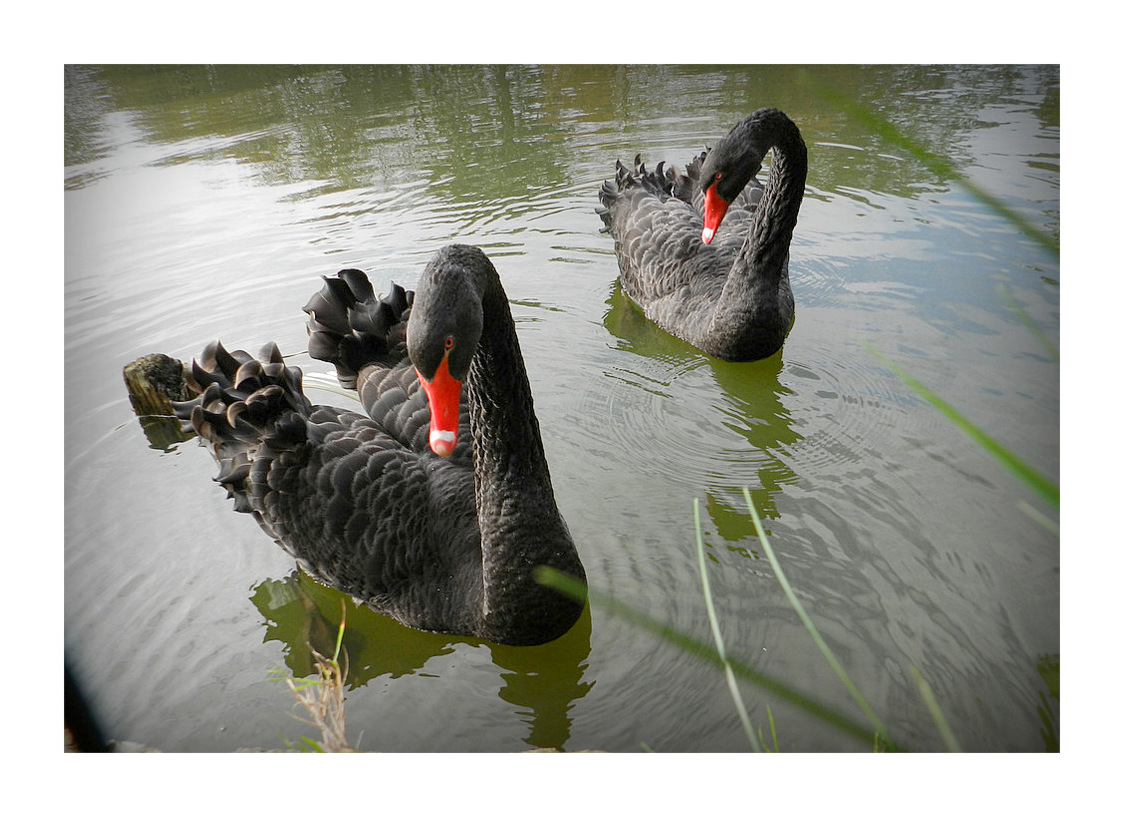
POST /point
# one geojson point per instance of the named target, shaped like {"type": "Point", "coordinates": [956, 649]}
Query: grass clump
{"type": "Point", "coordinates": [322, 698]}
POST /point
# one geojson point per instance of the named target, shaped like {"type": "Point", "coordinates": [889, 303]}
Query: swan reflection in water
{"type": "Point", "coordinates": [749, 402]}
{"type": "Point", "coordinates": [542, 683]}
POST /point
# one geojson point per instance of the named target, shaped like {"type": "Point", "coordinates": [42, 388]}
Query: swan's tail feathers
{"type": "Point", "coordinates": [351, 327]}
{"type": "Point", "coordinates": [244, 404]}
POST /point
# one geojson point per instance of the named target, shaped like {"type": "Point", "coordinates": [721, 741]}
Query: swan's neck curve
{"type": "Point", "coordinates": [520, 525]}
{"type": "Point", "coordinates": [756, 300]}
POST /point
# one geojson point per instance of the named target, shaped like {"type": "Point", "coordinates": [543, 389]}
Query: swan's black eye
{"type": "Point", "coordinates": [449, 342]}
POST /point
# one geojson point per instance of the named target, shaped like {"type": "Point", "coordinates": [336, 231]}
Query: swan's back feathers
{"type": "Point", "coordinates": [348, 501]}
{"type": "Point", "coordinates": [656, 229]}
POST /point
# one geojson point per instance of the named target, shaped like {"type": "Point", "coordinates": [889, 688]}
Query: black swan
{"type": "Point", "coordinates": [439, 525]}
{"type": "Point", "coordinates": [729, 298]}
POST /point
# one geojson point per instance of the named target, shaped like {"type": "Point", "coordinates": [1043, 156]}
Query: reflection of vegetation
{"type": "Point", "coordinates": [937, 164]}
{"type": "Point", "coordinates": [305, 616]}
{"type": "Point", "coordinates": [323, 699]}
{"type": "Point", "coordinates": [543, 682]}
{"type": "Point", "coordinates": [495, 132]}
{"type": "Point", "coordinates": [347, 126]}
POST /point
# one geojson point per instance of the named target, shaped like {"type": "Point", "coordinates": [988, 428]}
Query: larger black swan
{"type": "Point", "coordinates": [728, 296]}
{"type": "Point", "coordinates": [440, 525]}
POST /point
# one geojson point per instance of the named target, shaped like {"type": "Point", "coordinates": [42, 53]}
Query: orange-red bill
{"type": "Point", "coordinates": [444, 393]}
{"type": "Point", "coordinates": [714, 211]}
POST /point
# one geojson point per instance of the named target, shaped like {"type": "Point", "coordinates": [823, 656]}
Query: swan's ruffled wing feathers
{"type": "Point", "coordinates": [364, 337]}
{"type": "Point", "coordinates": [350, 327]}
{"type": "Point", "coordinates": [659, 247]}
{"type": "Point", "coordinates": [356, 508]}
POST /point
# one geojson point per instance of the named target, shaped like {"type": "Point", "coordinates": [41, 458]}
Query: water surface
{"type": "Point", "coordinates": [204, 203]}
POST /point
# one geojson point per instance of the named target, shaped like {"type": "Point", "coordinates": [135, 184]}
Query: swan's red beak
{"type": "Point", "coordinates": [713, 212]}
{"type": "Point", "coordinates": [444, 393]}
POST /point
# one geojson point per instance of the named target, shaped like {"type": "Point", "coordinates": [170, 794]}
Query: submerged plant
{"type": "Point", "coordinates": [322, 697]}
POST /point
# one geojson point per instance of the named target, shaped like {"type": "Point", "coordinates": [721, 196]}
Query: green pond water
{"type": "Point", "coordinates": [205, 202]}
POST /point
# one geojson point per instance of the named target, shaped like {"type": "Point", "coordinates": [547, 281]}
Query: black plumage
{"type": "Point", "coordinates": [731, 298]}
{"type": "Point", "coordinates": [449, 544]}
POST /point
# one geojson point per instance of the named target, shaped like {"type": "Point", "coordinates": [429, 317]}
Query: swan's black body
{"type": "Point", "coordinates": [730, 298]}
{"type": "Point", "coordinates": [448, 544]}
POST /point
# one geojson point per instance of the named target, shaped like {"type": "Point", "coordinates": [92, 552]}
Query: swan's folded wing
{"type": "Point", "coordinates": [355, 508]}
{"type": "Point", "coordinates": [660, 251]}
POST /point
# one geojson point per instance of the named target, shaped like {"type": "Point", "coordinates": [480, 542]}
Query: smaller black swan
{"type": "Point", "coordinates": [440, 525]}
{"type": "Point", "coordinates": [728, 297]}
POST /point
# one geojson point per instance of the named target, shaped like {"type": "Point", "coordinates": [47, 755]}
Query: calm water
{"type": "Point", "coordinates": [204, 203]}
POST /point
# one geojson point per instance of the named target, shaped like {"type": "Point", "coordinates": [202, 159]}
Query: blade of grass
{"type": "Point", "coordinates": [731, 681]}
{"type": "Point", "coordinates": [808, 624]}
{"type": "Point", "coordinates": [773, 729]}
{"type": "Point", "coordinates": [930, 700]}
{"type": "Point", "coordinates": [1045, 488]}
{"type": "Point", "coordinates": [1039, 517]}
{"type": "Point", "coordinates": [1028, 322]}
{"type": "Point", "coordinates": [323, 696]}
{"type": "Point", "coordinates": [578, 590]}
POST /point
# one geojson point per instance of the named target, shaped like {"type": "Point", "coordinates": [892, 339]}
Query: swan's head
{"type": "Point", "coordinates": [444, 329]}
{"type": "Point", "coordinates": [727, 169]}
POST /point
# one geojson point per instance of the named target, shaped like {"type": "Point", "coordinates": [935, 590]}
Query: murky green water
{"type": "Point", "coordinates": [205, 202]}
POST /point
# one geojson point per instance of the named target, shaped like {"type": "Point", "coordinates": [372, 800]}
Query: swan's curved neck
{"type": "Point", "coordinates": [506, 441]}
{"type": "Point", "coordinates": [761, 268]}
{"type": "Point", "coordinates": [775, 219]}
{"type": "Point", "coordinates": [520, 525]}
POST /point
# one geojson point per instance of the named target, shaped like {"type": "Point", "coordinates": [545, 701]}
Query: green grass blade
{"type": "Point", "coordinates": [563, 583]}
{"type": "Point", "coordinates": [808, 624]}
{"type": "Point", "coordinates": [731, 681]}
{"type": "Point", "coordinates": [1039, 517]}
{"type": "Point", "coordinates": [773, 729]}
{"type": "Point", "coordinates": [311, 744]}
{"type": "Point", "coordinates": [934, 709]}
{"type": "Point", "coordinates": [1042, 486]}
{"type": "Point", "coordinates": [339, 634]}
{"type": "Point", "coordinates": [1029, 323]}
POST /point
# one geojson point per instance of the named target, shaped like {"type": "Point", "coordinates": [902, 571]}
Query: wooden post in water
{"type": "Point", "coordinates": [153, 382]}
